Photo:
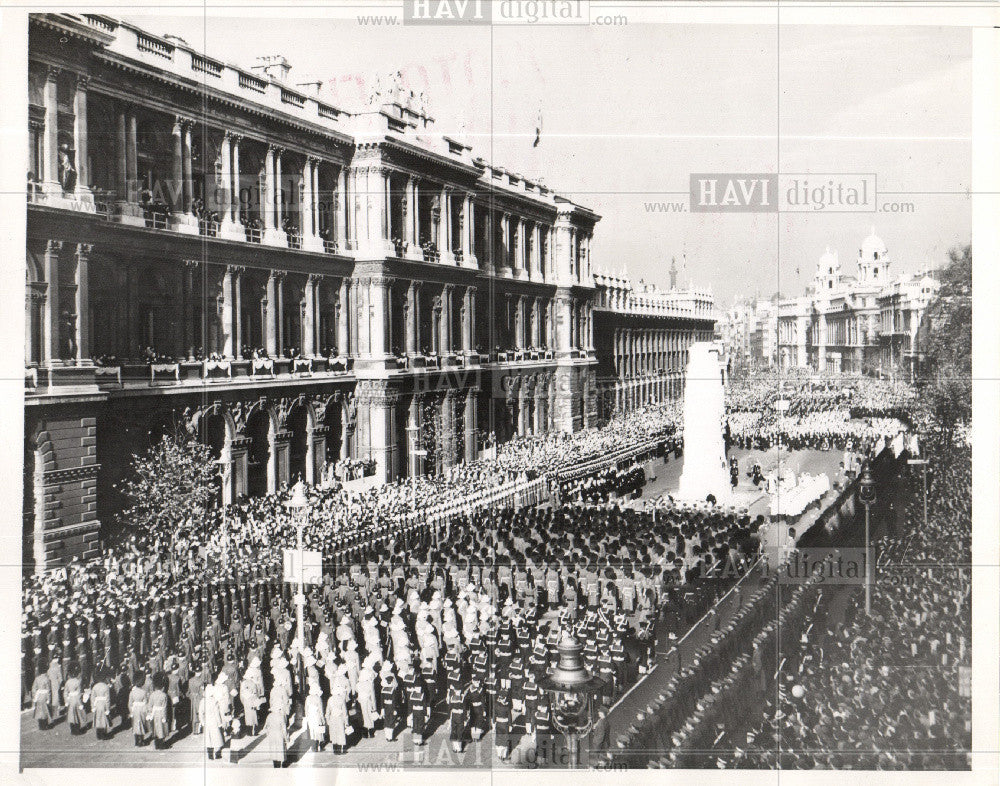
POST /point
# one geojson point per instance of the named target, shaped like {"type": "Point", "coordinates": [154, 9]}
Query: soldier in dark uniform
{"type": "Point", "coordinates": [418, 706]}
{"type": "Point", "coordinates": [475, 703]}
{"type": "Point", "coordinates": [428, 670]}
{"type": "Point", "coordinates": [392, 709]}
{"type": "Point", "coordinates": [532, 695]}
{"type": "Point", "coordinates": [458, 717]}
{"type": "Point", "coordinates": [618, 658]}
{"type": "Point", "coordinates": [502, 723]}
{"type": "Point", "coordinates": [543, 728]}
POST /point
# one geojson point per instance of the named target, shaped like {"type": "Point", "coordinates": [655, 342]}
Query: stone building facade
{"type": "Point", "coordinates": [838, 325]}
{"type": "Point", "coordinates": [869, 322]}
{"type": "Point", "coordinates": [641, 335]}
{"type": "Point", "coordinates": [297, 283]}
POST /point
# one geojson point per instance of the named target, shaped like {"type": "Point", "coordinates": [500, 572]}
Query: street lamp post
{"type": "Point", "coordinates": [866, 493]}
{"type": "Point", "coordinates": [572, 688]}
{"type": "Point", "coordinates": [298, 507]}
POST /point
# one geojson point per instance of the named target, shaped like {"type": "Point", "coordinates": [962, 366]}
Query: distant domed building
{"type": "Point", "coordinates": [854, 323]}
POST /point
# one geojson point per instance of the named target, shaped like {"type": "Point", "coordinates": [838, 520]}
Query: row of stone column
{"type": "Point", "coordinates": [57, 307]}
{"type": "Point", "coordinates": [643, 352]}
{"type": "Point", "coordinates": [443, 340]}
{"type": "Point", "coordinates": [49, 128]}
{"type": "Point", "coordinates": [533, 322]}
{"type": "Point", "coordinates": [582, 325]}
{"type": "Point", "coordinates": [527, 247]}
{"type": "Point", "coordinates": [454, 447]}
{"type": "Point", "coordinates": [534, 412]}
{"type": "Point", "coordinates": [235, 456]}
{"type": "Point", "coordinates": [636, 393]}
{"type": "Point", "coordinates": [272, 305]}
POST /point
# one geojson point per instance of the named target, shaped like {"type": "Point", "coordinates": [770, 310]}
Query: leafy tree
{"type": "Point", "coordinates": [946, 335]}
{"type": "Point", "coordinates": [172, 487]}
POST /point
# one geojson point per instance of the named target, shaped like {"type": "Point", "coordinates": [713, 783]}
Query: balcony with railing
{"type": "Point", "coordinates": [294, 239]}
{"type": "Point", "coordinates": [208, 227]}
{"type": "Point", "coordinates": [104, 204]}
{"type": "Point", "coordinates": [330, 246]}
{"type": "Point", "coordinates": [156, 217]}
{"type": "Point", "coordinates": [205, 65]}
{"type": "Point", "coordinates": [36, 195]}
{"type": "Point", "coordinates": [430, 251]}
{"type": "Point", "coordinates": [254, 234]}
{"type": "Point", "coordinates": [109, 373]}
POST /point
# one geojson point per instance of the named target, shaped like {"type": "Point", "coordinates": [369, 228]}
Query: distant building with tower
{"type": "Point", "coordinates": [867, 322]}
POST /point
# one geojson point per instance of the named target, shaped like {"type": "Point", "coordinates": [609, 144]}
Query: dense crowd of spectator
{"type": "Point", "coordinates": [882, 691]}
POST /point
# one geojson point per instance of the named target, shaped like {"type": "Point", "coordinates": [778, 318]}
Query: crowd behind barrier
{"type": "Point", "coordinates": [735, 692]}
{"type": "Point", "coordinates": [883, 692]}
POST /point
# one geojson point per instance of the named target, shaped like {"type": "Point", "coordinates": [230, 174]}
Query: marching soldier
{"type": "Point", "coordinates": [418, 706]}
{"type": "Point", "coordinates": [158, 710]}
{"type": "Point", "coordinates": [138, 709]}
{"type": "Point", "coordinates": [41, 697]}
{"type": "Point", "coordinates": [502, 723]}
{"type": "Point", "coordinates": [476, 710]}
{"type": "Point", "coordinates": [458, 716]}
{"type": "Point", "coordinates": [100, 704]}
{"type": "Point", "coordinates": [392, 710]}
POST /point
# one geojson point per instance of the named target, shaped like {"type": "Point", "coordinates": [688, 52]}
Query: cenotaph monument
{"type": "Point", "coordinates": [705, 470]}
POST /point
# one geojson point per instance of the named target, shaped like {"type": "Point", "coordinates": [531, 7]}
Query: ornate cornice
{"type": "Point", "coordinates": [70, 474]}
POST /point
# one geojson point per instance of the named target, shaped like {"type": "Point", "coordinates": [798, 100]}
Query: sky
{"type": "Point", "coordinates": [628, 113]}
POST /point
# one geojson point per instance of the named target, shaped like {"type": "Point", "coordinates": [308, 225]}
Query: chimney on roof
{"type": "Point", "coordinates": [272, 66]}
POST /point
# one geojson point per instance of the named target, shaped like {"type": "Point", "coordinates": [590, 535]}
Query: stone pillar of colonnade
{"type": "Point", "coordinates": [308, 321]}
{"type": "Point", "coordinates": [341, 207]}
{"type": "Point", "coordinates": [445, 228]}
{"type": "Point", "coordinates": [377, 422]}
{"type": "Point", "coordinates": [469, 232]}
{"type": "Point", "coordinates": [409, 215]}
{"type": "Point", "coordinates": [308, 218]}
{"type": "Point", "coordinates": [228, 193]}
{"type": "Point", "coordinates": [50, 137]}
{"type": "Point", "coordinates": [469, 322]}
{"type": "Point", "coordinates": [267, 189]}
{"type": "Point", "coordinates": [82, 190]}
{"type": "Point", "coordinates": [445, 347]}
{"type": "Point", "coordinates": [226, 298]}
